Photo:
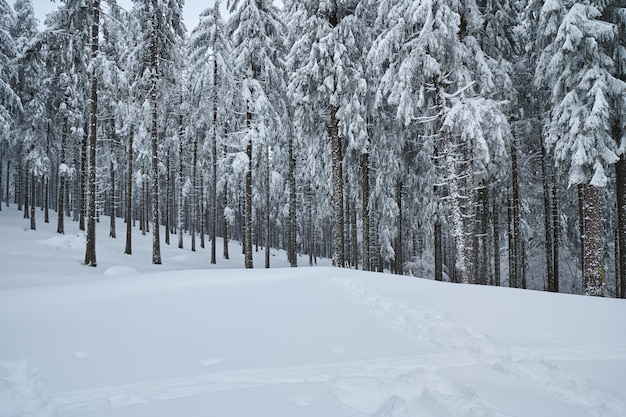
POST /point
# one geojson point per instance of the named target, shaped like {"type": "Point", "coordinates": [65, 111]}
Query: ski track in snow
{"type": "Point", "coordinates": [439, 395]}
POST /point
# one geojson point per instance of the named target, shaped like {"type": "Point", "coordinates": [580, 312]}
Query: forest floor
{"type": "Point", "coordinates": [191, 339]}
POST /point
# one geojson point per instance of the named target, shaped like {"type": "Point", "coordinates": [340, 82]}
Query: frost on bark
{"type": "Point", "coordinates": [247, 227]}
{"type": "Point", "coordinates": [90, 255]}
{"type": "Point", "coordinates": [156, 245]}
{"type": "Point", "coordinates": [337, 189]}
{"type": "Point", "coordinates": [593, 272]}
{"type": "Point", "coordinates": [620, 191]}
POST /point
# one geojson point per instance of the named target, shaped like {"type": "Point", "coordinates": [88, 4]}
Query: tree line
{"type": "Point", "coordinates": [472, 141]}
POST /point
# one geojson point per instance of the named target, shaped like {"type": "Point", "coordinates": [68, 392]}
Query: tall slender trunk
{"type": "Point", "coordinates": [33, 225]}
{"type": "Point", "coordinates": [26, 190]}
{"type": "Point", "coordinates": [496, 240]}
{"type": "Point", "coordinates": [8, 182]}
{"type": "Point", "coordinates": [620, 192]}
{"type": "Point", "coordinates": [593, 274]}
{"type": "Point", "coordinates": [168, 197]}
{"type": "Point", "coordinates": [225, 223]}
{"type": "Point", "coordinates": [438, 214]}
{"type": "Point", "coordinates": [46, 183]}
{"type": "Point", "coordinates": [90, 253]}
{"type": "Point", "coordinates": [399, 244]}
{"type": "Point", "coordinates": [129, 195]}
{"type": "Point", "coordinates": [213, 220]}
{"type": "Point", "coordinates": [365, 215]}
{"type": "Point", "coordinates": [248, 199]}
{"type": "Point", "coordinates": [1, 178]}
{"type": "Point", "coordinates": [83, 180]}
{"type": "Point", "coordinates": [516, 251]}
{"type": "Point", "coordinates": [547, 220]}
{"type": "Point", "coordinates": [156, 244]}
{"type": "Point", "coordinates": [113, 199]}
{"type": "Point", "coordinates": [291, 227]}
{"type": "Point", "coordinates": [194, 194]}
{"type": "Point", "coordinates": [201, 208]}
{"type": "Point", "coordinates": [581, 225]}
{"type": "Point", "coordinates": [181, 199]}
{"type": "Point", "coordinates": [337, 190]}
{"type": "Point", "coordinates": [555, 229]}
{"type": "Point", "coordinates": [62, 177]}
{"type": "Point", "coordinates": [267, 208]}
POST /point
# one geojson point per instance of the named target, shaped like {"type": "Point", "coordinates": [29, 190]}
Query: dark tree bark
{"type": "Point", "coordinates": [8, 182]}
{"type": "Point", "coordinates": [291, 226]}
{"type": "Point", "coordinates": [267, 208]}
{"type": "Point", "coordinates": [555, 230]}
{"type": "Point", "coordinates": [33, 225]}
{"type": "Point", "coordinates": [247, 227]}
{"type": "Point", "coordinates": [496, 241]}
{"type": "Point", "coordinates": [168, 197]}
{"type": "Point", "coordinates": [213, 220]}
{"type": "Point", "coordinates": [181, 199]}
{"type": "Point", "coordinates": [620, 192]}
{"type": "Point", "coordinates": [194, 194]}
{"type": "Point", "coordinates": [129, 196]}
{"type": "Point", "coordinates": [90, 254]}
{"type": "Point", "coordinates": [225, 222]}
{"type": "Point", "coordinates": [365, 215]}
{"type": "Point", "coordinates": [26, 190]}
{"type": "Point", "coordinates": [547, 218]}
{"type": "Point", "coordinates": [337, 190]}
{"type": "Point", "coordinates": [515, 252]}
{"type": "Point", "coordinates": [399, 244]}
{"type": "Point", "coordinates": [62, 177]}
{"type": "Point", "coordinates": [112, 202]}
{"type": "Point", "coordinates": [593, 272]}
{"type": "Point", "coordinates": [156, 244]}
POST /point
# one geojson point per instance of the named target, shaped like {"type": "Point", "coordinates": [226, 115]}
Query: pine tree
{"type": "Point", "coordinates": [581, 121]}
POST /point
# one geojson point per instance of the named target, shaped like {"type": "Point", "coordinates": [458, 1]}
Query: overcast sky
{"type": "Point", "coordinates": [191, 10]}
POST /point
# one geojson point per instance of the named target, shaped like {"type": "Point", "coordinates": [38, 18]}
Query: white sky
{"type": "Point", "coordinates": [191, 10]}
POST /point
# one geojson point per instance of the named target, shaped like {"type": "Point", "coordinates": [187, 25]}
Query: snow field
{"type": "Point", "coordinates": [191, 339]}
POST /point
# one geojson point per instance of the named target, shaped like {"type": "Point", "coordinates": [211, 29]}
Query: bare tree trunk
{"type": "Point", "coordinates": [202, 211]}
{"type": "Point", "coordinates": [194, 194]}
{"type": "Point", "coordinates": [337, 190]}
{"type": "Point", "coordinates": [581, 225]}
{"type": "Point", "coordinates": [225, 222]}
{"type": "Point", "coordinates": [248, 200]}
{"type": "Point", "coordinates": [33, 225]}
{"type": "Point", "coordinates": [291, 227]}
{"type": "Point", "coordinates": [365, 215]}
{"type": "Point", "coordinates": [547, 214]}
{"type": "Point", "coordinates": [555, 230]}
{"type": "Point", "coordinates": [8, 195]}
{"type": "Point", "coordinates": [515, 251]}
{"type": "Point", "coordinates": [620, 192]}
{"type": "Point", "coordinates": [156, 244]}
{"type": "Point", "coordinates": [213, 226]}
{"type": "Point", "coordinates": [62, 177]}
{"type": "Point", "coordinates": [399, 245]}
{"type": "Point", "coordinates": [181, 199]}
{"type": "Point", "coordinates": [168, 197]}
{"type": "Point", "coordinates": [129, 196]}
{"type": "Point", "coordinates": [24, 181]}
{"type": "Point", "coordinates": [496, 241]}
{"type": "Point", "coordinates": [593, 274]}
{"type": "Point", "coordinates": [90, 254]}
{"type": "Point", "coordinates": [112, 202]}
{"type": "Point", "coordinates": [267, 208]}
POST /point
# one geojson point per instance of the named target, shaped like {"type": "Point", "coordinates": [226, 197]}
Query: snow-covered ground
{"type": "Point", "coordinates": [190, 339]}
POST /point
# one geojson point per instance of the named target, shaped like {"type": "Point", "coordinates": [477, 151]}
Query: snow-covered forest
{"type": "Point", "coordinates": [472, 141]}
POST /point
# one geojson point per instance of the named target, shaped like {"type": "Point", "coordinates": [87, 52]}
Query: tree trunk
{"type": "Point", "coordinates": [168, 197]}
{"type": "Point", "coordinates": [181, 199]}
{"type": "Point", "coordinates": [26, 190]}
{"type": "Point", "coordinates": [225, 222]}
{"type": "Point", "coordinates": [547, 220]}
{"type": "Point", "coordinates": [555, 230]}
{"type": "Point", "coordinates": [337, 190]}
{"type": "Point", "coordinates": [33, 225]}
{"type": "Point", "coordinates": [248, 200]}
{"type": "Point", "coordinates": [365, 215]}
{"type": "Point", "coordinates": [8, 182]}
{"type": "Point", "coordinates": [90, 255]}
{"type": "Point", "coordinates": [267, 208]}
{"type": "Point", "coordinates": [156, 244]}
{"type": "Point", "coordinates": [620, 191]}
{"type": "Point", "coordinates": [194, 194]}
{"type": "Point", "coordinates": [581, 225]}
{"type": "Point", "coordinates": [399, 245]}
{"type": "Point", "coordinates": [129, 196]}
{"type": "Point", "coordinates": [62, 177]}
{"type": "Point", "coordinates": [593, 274]}
{"type": "Point", "coordinates": [213, 220]}
{"type": "Point", "coordinates": [113, 192]}
{"type": "Point", "coordinates": [496, 241]}
{"type": "Point", "coordinates": [515, 251]}
{"type": "Point", "coordinates": [291, 227]}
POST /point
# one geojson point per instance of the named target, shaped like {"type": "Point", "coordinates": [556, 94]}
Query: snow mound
{"type": "Point", "coordinates": [120, 271]}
